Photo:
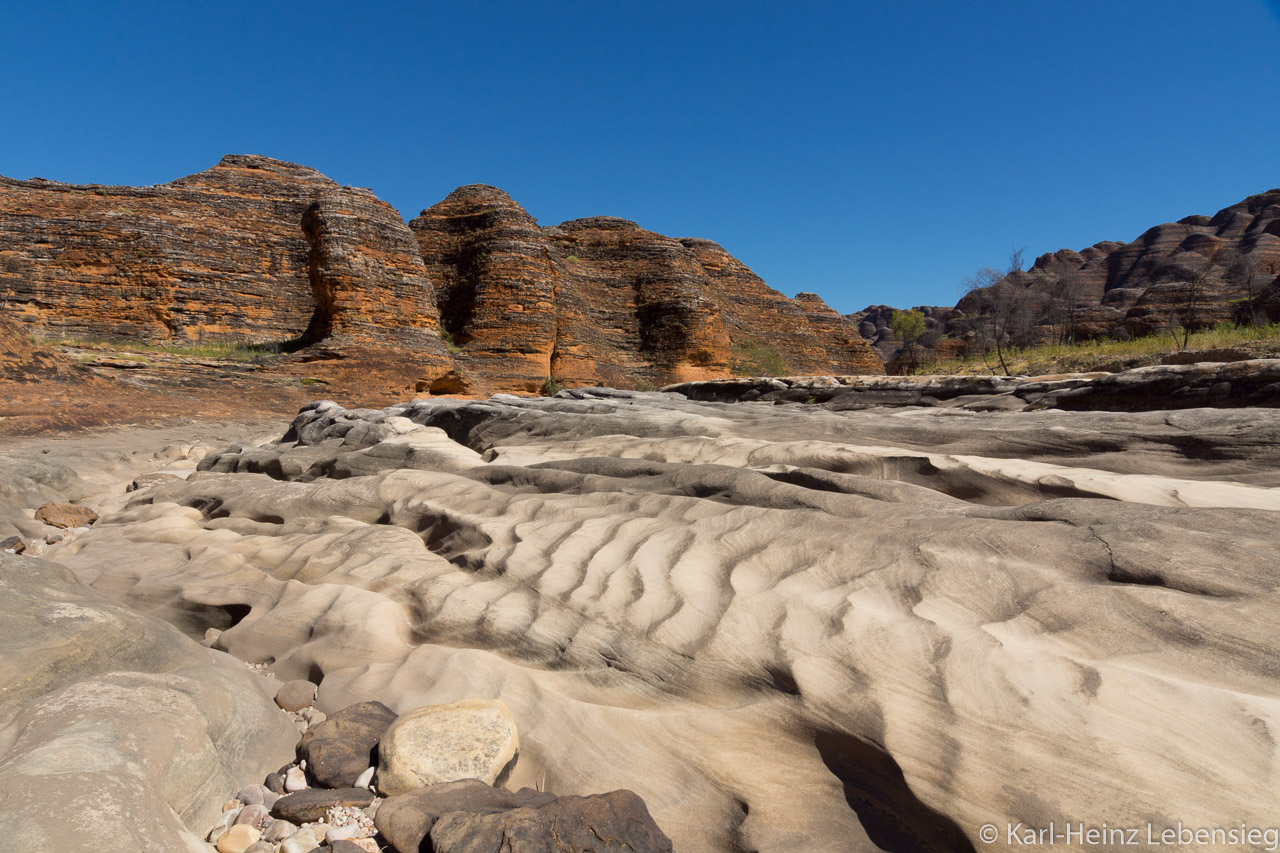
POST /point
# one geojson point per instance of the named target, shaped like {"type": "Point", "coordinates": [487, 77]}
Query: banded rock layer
{"type": "Point", "coordinates": [260, 250]}
{"type": "Point", "coordinates": [787, 629]}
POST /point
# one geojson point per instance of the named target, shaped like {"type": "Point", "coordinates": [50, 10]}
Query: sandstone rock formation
{"type": "Point", "coordinates": [116, 732]}
{"type": "Point", "coordinates": [603, 301]}
{"type": "Point", "coordinates": [274, 253]}
{"type": "Point", "coordinates": [214, 255]}
{"type": "Point", "coordinates": [1194, 272]}
{"type": "Point", "coordinates": [1245, 383]}
{"type": "Point", "coordinates": [786, 628]}
{"type": "Point", "coordinates": [369, 283]}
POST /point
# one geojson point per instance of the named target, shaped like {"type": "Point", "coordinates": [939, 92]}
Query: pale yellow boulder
{"type": "Point", "coordinates": [472, 739]}
{"type": "Point", "coordinates": [238, 838]}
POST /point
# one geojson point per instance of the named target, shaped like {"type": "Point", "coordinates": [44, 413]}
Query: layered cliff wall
{"type": "Point", "coordinates": [215, 255]}
{"type": "Point", "coordinates": [472, 295]}
{"type": "Point", "coordinates": [603, 301]}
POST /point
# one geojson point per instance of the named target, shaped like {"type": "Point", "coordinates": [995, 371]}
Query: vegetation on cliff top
{"type": "Point", "coordinates": [1113, 355]}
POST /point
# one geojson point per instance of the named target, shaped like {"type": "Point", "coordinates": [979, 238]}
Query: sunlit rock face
{"type": "Point", "coordinates": [601, 300]}
{"type": "Point", "coordinates": [472, 296]}
{"type": "Point", "coordinates": [214, 255]}
{"type": "Point", "coordinates": [787, 628]}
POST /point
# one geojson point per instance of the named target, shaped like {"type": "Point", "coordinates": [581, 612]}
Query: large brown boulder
{"type": "Point", "coordinates": [338, 750]}
{"type": "Point", "coordinates": [65, 515]}
{"type": "Point", "coordinates": [617, 822]}
{"type": "Point", "coordinates": [405, 819]}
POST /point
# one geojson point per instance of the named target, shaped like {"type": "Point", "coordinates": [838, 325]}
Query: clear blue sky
{"type": "Point", "coordinates": [869, 152]}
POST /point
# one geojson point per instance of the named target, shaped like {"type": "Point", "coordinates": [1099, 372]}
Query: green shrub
{"type": "Point", "coordinates": [751, 358]}
{"type": "Point", "coordinates": [551, 386]}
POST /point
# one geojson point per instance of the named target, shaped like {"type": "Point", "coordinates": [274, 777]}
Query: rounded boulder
{"type": "Point", "coordinates": [296, 695]}
{"type": "Point", "coordinates": [472, 739]}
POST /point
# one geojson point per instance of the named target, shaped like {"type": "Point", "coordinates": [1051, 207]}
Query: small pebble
{"type": "Point", "coordinates": [252, 794]}
{"type": "Point", "coordinates": [295, 780]}
{"type": "Point", "coordinates": [344, 833]}
{"type": "Point", "coordinates": [278, 830]}
{"type": "Point", "coordinates": [255, 815]}
{"type": "Point", "coordinates": [342, 817]}
{"type": "Point", "coordinates": [238, 839]}
{"type": "Point", "coordinates": [275, 783]}
{"type": "Point", "coordinates": [313, 716]}
{"type": "Point", "coordinates": [365, 779]}
{"type": "Point", "coordinates": [302, 841]}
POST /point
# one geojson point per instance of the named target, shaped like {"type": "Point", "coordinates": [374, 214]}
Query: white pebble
{"type": "Point", "coordinates": [295, 780]}
{"type": "Point", "coordinates": [365, 779]}
{"type": "Point", "coordinates": [343, 833]}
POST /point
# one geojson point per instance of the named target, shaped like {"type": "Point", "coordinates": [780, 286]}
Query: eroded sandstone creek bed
{"type": "Point", "coordinates": [788, 628]}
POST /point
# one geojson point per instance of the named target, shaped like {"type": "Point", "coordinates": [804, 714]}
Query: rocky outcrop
{"type": "Point", "coordinates": [475, 297]}
{"type": "Point", "coordinates": [1195, 272]}
{"type": "Point", "coordinates": [874, 324]}
{"type": "Point", "coordinates": [24, 361]}
{"type": "Point", "coordinates": [1249, 382]}
{"type": "Point", "coordinates": [497, 296]}
{"type": "Point", "coordinates": [603, 301]}
{"type": "Point", "coordinates": [808, 339]}
{"type": "Point", "coordinates": [369, 283]}
{"type": "Point", "coordinates": [216, 255]}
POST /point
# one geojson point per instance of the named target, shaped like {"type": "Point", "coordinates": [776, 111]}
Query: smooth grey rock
{"type": "Point", "coordinates": [278, 830]}
{"type": "Point", "coordinates": [255, 814]}
{"type": "Point", "coordinates": [108, 708]}
{"type": "Point", "coordinates": [275, 783]}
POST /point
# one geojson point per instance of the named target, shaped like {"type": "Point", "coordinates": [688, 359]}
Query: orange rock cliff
{"type": "Point", "coordinates": [472, 295]}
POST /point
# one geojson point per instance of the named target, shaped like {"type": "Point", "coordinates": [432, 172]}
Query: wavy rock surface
{"type": "Point", "coordinates": [786, 629]}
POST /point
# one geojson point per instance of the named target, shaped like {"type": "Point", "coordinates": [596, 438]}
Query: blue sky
{"type": "Point", "coordinates": [869, 152]}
